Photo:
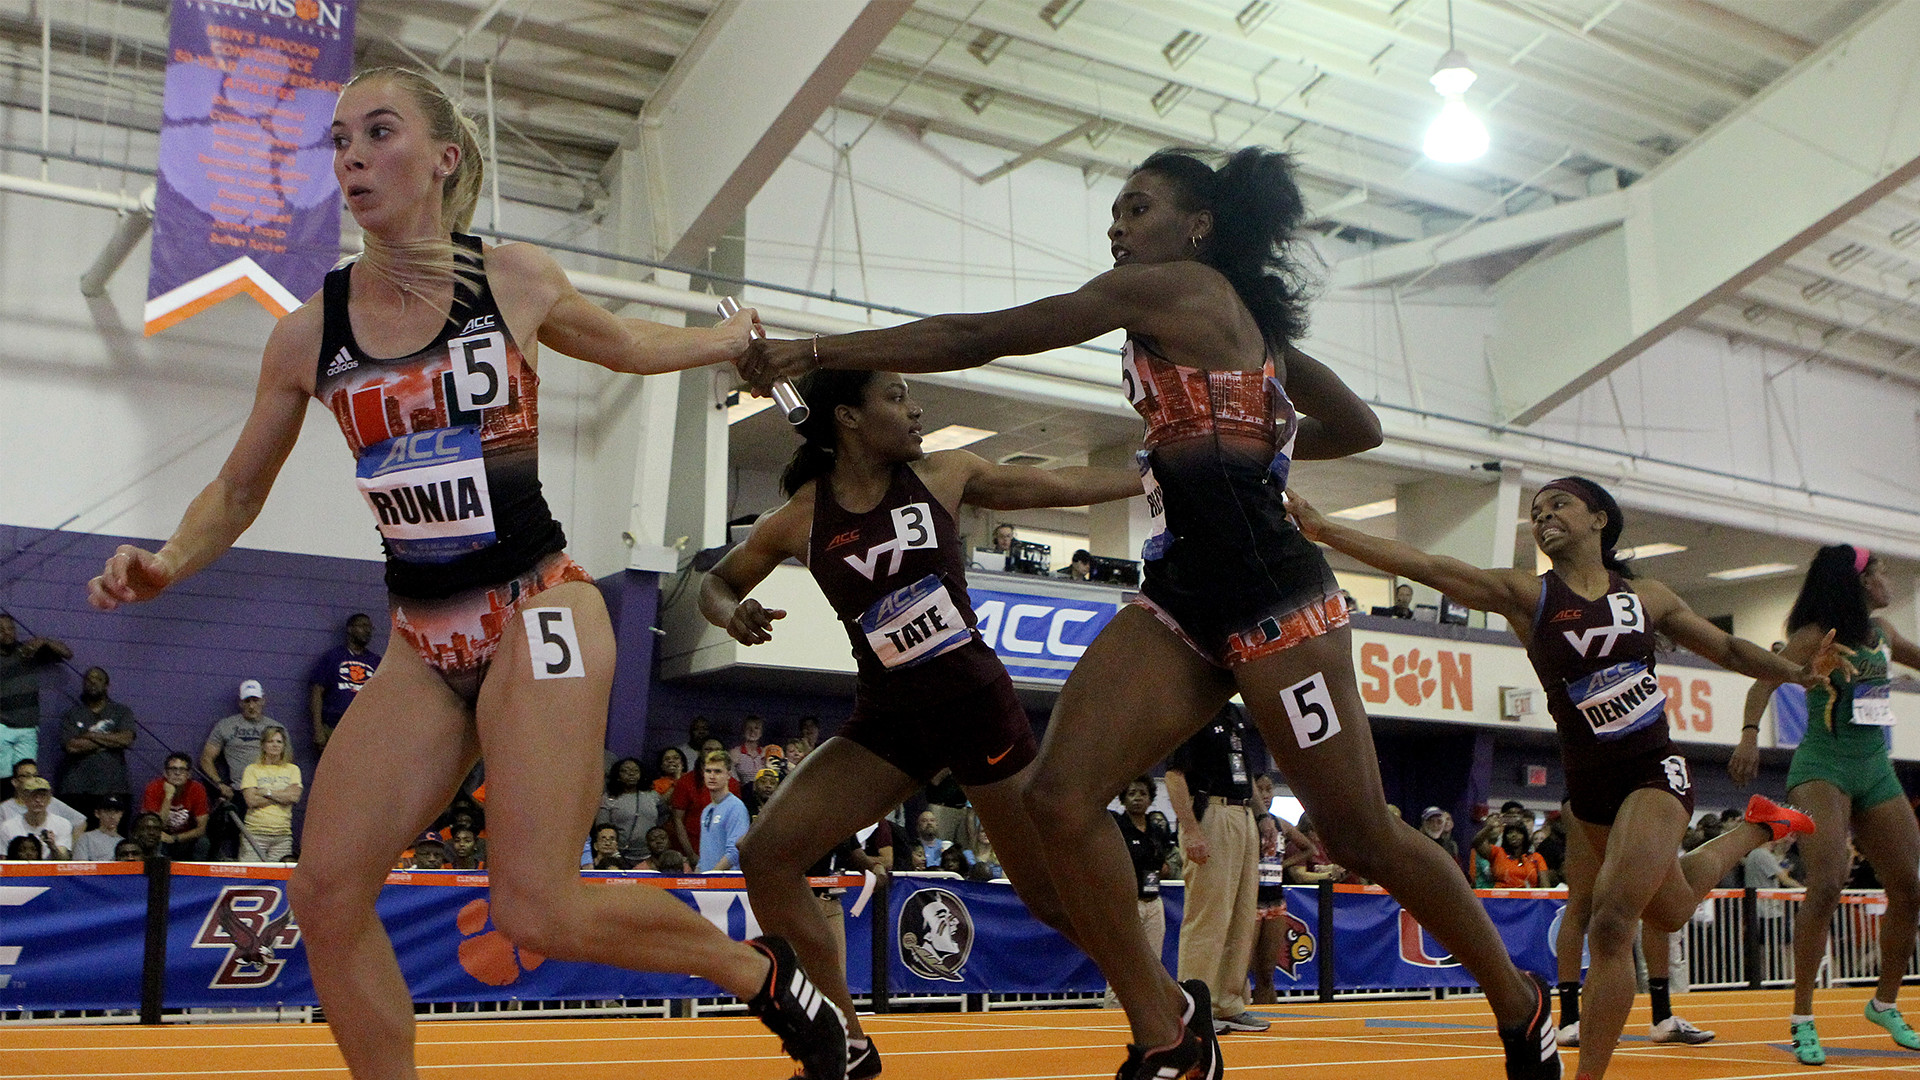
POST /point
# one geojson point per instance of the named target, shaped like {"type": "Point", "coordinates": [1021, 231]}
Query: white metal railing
{"type": "Point", "coordinates": [1719, 955]}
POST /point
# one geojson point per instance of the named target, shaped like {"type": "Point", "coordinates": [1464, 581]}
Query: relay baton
{"type": "Point", "coordinates": [792, 405]}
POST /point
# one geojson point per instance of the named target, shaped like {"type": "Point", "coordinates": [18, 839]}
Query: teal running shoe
{"type": "Point", "coordinates": [1895, 1024]}
{"type": "Point", "coordinates": [1806, 1044]}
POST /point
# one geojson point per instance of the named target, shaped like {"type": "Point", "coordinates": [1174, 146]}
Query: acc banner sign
{"type": "Point", "coordinates": [1379, 945]}
{"type": "Point", "coordinates": [71, 935]}
{"type": "Point", "coordinates": [1038, 637]}
{"type": "Point", "coordinates": [246, 200]}
{"type": "Point", "coordinates": [965, 937]}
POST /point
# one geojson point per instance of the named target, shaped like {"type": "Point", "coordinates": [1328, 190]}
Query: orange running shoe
{"type": "Point", "coordinates": [1782, 820]}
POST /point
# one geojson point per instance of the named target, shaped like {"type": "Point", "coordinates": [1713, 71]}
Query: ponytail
{"type": "Point", "coordinates": [825, 390]}
{"type": "Point", "coordinates": [1257, 209]}
{"type": "Point", "coordinates": [1834, 598]}
{"type": "Point", "coordinates": [413, 265]}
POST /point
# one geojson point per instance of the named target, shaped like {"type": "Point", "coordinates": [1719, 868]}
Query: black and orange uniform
{"type": "Point", "coordinates": [1225, 567]}
{"type": "Point", "coordinates": [447, 441]}
{"type": "Point", "coordinates": [930, 694]}
{"type": "Point", "coordinates": [1595, 660]}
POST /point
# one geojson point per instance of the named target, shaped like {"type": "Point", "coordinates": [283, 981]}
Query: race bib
{"type": "Point", "coordinates": [428, 492]}
{"type": "Point", "coordinates": [1132, 379]}
{"type": "Point", "coordinates": [1873, 705]}
{"type": "Point", "coordinates": [1619, 700]}
{"type": "Point", "coordinates": [1158, 539]}
{"type": "Point", "coordinates": [915, 623]}
{"type": "Point", "coordinates": [1150, 885]}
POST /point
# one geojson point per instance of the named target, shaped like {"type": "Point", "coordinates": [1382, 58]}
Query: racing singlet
{"type": "Point", "coordinates": [1595, 659]}
{"type": "Point", "coordinates": [896, 578]}
{"type": "Point", "coordinates": [447, 441]}
{"type": "Point", "coordinates": [1184, 409]}
{"type": "Point", "coordinates": [1856, 712]}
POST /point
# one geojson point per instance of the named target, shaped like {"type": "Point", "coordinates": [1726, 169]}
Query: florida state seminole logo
{"type": "Point", "coordinates": [258, 942]}
{"type": "Point", "coordinates": [936, 935]}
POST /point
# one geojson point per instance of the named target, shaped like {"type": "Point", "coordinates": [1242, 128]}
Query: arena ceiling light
{"type": "Point", "coordinates": [1366, 510]}
{"type": "Point", "coordinates": [1741, 573]}
{"type": "Point", "coordinates": [1456, 135]}
{"type": "Point", "coordinates": [953, 437]}
{"type": "Point", "coordinates": [1648, 551]}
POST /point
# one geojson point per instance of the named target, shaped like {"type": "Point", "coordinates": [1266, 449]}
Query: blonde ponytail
{"type": "Point", "coordinates": [413, 266]}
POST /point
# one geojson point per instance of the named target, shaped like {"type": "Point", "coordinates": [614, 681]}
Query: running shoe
{"type": "Point", "coordinates": [1532, 1052]}
{"type": "Point", "coordinates": [1781, 819]}
{"type": "Point", "coordinates": [1569, 1035]}
{"type": "Point", "coordinates": [1190, 1059]}
{"type": "Point", "coordinates": [1245, 1021]}
{"type": "Point", "coordinates": [1675, 1030]}
{"type": "Point", "coordinates": [1200, 1024]}
{"type": "Point", "coordinates": [1806, 1044]}
{"type": "Point", "coordinates": [810, 1026]}
{"type": "Point", "coordinates": [863, 1062]}
{"type": "Point", "coordinates": [1895, 1024]}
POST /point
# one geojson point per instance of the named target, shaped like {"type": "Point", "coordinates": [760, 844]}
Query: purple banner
{"type": "Point", "coordinates": [245, 201]}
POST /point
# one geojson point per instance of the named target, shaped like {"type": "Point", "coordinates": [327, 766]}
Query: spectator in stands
{"type": "Point", "coordinates": [233, 743]}
{"type": "Point", "coordinates": [54, 833]}
{"type": "Point", "coordinates": [723, 821]}
{"type": "Point", "coordinates": [128, 851]}
{"type": "Point", "coordinates": [671, 862]}
{"type": "Point", "coordinates": [1437, 825]}
{"type": "Point", "coordinates": [270, 787]}
{"type": "Point", "coordinates": [148, 833]}
{"type": "Point", "coordinates": [1515, 864]}
{"type": "Point", "coordinates": [630, 807]}
{"type": "Point", "coordinates": [97, 844]}
{"type": "Point", "coordinates": [606, 849]}
{"type": "Point", "coordinates": [876, 841]}
{"type": "Point", "coordinates": [181, 801]}
{"type": "Point", "coordinates": [20, 663]}
{"type": "Point", "coordinates": [1551, 843]}
{"type": "Point", "coordinates": [954, 861]}
{"type": "Point", "coordinates": [1312, 866]}
{"type": "Point", "coordinates": [338, 676]}
{"type": "Point", "coordinates": [97, 733]}
{"type": "Point", "coordinates": [1080, 568]}
{"type": "Point", "coordinates": [670, 765]}
{"type": "Point", "coordinates": [810, 732]}
{"type": "Point", "coordinates": [765, 783]}
{"type": "Point", "coordinates": [1147, 848]}
{"type": "Point", "coordinates": [749, 757]}
{"type": "Point", "coordinates": [916, 857]}
{"type": "Point", "coordinates": [1208, 783]}
{"type": "Point", "coordinates": [1402, 602]}
{"type": "Point", "coordinates": [1003, 537]}
{"type": "Point", "coordinates": [698, 732]}
{"type": "Point", "coordinates": [429, 852]}
{"type": "Point", "coordinates": [1353, 606]}
{"type": "Point", "coordinates": [658, 844]}
{"type": "Point", "coordinates": [1763, 870]}
{"type": "Point", "coordinates": [926, 831]}
{"type": "Point", "coordinates": [797, 751]}
{"type": "Point", "coordinates": [1277, 838]}
{"type": "Point", "coordinates": [1860, 873]}
{"type": "Point", "coordinates": [25, 848]}
{"type": "Point", "coordinates": [465, 850]}
{"type": "Point", "coordinates": [14, 807]}
{"type": "Point", "coordinates": [691, 796]}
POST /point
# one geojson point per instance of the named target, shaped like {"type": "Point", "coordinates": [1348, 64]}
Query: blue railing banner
{"type": "Point", "coordinates": [72, 936]}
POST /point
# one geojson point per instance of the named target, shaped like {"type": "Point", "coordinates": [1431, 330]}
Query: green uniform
{"type": "Point", "coordinates": [1840, 746]}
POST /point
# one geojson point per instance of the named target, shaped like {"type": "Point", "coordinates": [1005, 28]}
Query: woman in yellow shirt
{"type": "Point", "coordinates": [270, 787]}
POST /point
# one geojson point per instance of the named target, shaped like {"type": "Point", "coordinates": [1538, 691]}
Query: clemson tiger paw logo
{"type": "Point", "coordinates": [1415, 682]}
{"type": "Point", "coordinates": [486, 953]}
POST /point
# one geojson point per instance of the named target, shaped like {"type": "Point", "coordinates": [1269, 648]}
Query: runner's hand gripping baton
{"type": "Point", "coordinates": [792, 405]}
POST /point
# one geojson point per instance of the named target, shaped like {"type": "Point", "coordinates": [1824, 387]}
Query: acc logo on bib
{"type": "Point", "coordinates": [935, 934]}
{"type": "Point", "coordinates": [242, 921]}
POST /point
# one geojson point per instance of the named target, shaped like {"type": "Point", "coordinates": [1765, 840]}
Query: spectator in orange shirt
{"type": "Point", "coordinates": [1515, 864]}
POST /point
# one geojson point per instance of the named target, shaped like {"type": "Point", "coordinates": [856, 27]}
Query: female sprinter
{"type": "Point", "coordinates": [1841, 775]}
{"type": "Point", "coordinates": [510, 649]}
{"type": "Point", "coordinates": [1589, 634]}
{"type": "Point", "coordinates": [873, 518]}
{"type": "Point", "coordinates": [1205, 285]}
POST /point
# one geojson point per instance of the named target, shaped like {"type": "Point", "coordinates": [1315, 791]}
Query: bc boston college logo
{"type": "Point", "coordinates": [242, 921]}
{"type": "Point", "coordinates": [935, 934]}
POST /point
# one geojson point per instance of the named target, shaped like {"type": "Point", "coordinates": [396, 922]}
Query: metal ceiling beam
{"type": "Point", "coordinates": [1781, 48]}
{"type": "Point", "coordinates": [1494, 238]}
{"type": "Point", "coordinates": [1814, 150]}
{"type": "Point", "coordinates": [480, 20]}
{"type": "Point", "coordinates": [1844, 313]}
{"type": "Point", "coordinates": [1815, 342]}
{"type": "Point", "coordinates": [1727, 90]}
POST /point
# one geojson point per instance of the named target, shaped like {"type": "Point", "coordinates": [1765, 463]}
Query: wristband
{"type": "Point", "coordinates": [1750, 727]}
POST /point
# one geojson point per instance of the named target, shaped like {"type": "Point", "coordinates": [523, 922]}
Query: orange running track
{"type": "Point", "coordinates": [1425, 1040]}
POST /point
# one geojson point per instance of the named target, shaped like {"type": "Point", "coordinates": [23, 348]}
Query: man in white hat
{"type": "Point", "coordinates": [234, 741]}
{"type": "Point", "coordinates": [56, 836]}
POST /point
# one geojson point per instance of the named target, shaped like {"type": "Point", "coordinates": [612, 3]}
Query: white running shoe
{"type": "Point", "coordinates": [1675, 1030]}
{"type": "Point", "coordinates": [1569, 1035]}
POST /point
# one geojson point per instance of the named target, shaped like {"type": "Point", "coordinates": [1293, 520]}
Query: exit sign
{"type": "Point", "coordinates": [1536, 776]}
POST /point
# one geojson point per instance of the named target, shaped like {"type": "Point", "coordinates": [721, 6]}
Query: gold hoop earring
{"type": "Point", "coordinates": [1194, 242]}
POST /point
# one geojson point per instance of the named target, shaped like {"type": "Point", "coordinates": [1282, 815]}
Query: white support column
{"type": "Point", "coordinates": [1469, 519]}
{"type": "Point", "coordinates": [1116, 529]}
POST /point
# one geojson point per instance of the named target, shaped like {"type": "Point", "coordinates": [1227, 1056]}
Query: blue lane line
{"type": "Point", "coordinates": [1428, 1024]}
{"type": "Point", "coordinates": [1853, 1051]}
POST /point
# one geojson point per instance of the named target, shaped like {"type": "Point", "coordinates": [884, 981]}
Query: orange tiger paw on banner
{"type": "Point", "coordinates": [486, 953]}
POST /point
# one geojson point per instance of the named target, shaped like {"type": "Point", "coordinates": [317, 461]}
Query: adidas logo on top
{"type": "Point", "coordinates": [341, 362]}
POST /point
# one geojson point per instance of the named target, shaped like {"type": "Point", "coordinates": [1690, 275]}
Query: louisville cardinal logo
{"type": "Point", "coordinates": [243, 921]}
{"type": "Point", "coordinates": [1300, 945]}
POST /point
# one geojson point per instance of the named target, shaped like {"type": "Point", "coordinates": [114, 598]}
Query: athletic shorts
{"type": "Point", "coordinates": [982, 734]}
{"type": "Point", "coordinates": [1865, 776]}
{"type": "Point", "coordinates": [1238, 581]}
{"type": "Point", "coordinates": [458, 635]}
{"type": "Point", "coordinates": [1270, 900]}
{"type": "Point", "coordinates": [1596, 794]}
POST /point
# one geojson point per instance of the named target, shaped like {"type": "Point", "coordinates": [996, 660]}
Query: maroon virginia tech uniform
{"type": "Point", "coordinates": [1595, 660]}
{"type": "Point", "coordinates": [930, 694]}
